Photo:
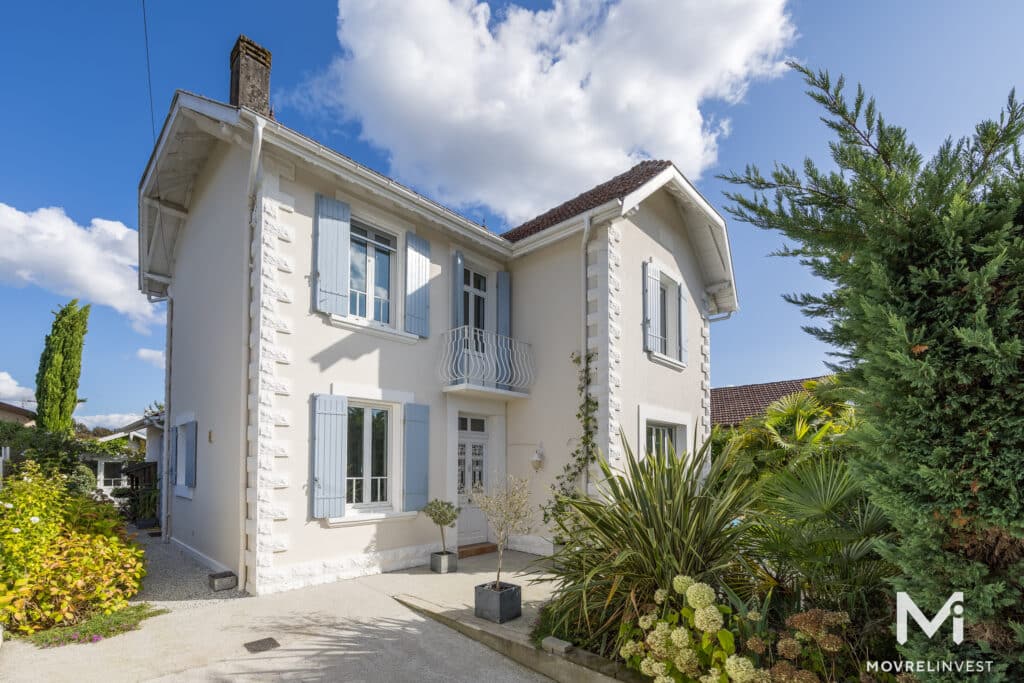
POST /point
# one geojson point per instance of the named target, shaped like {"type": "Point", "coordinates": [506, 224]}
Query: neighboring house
{"type": "Point", "coordinates": [109, 469]}
{"type": "Point", "coordinates": [340, 349]}
{"type": "Point", "coordinates": [12, 413]}
{"type": "Point", "coordinates": [732, 405]}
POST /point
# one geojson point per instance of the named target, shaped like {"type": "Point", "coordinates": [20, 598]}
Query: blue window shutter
{"type": "Point", "coordinates": [330, 439]}
{"type": "Point", "coordinates": [191, 442]}
{"type": "Point", "coordinates": [458, 266]}
{"type": "Point", "coordinates": [652, 307]}
{"type": "Point", "coordinates": [172, 460]}
{"type": "Point", "coordinates": [332, 226]}
{"type": "Point", "coordinates": [417, 455]}
{"type": "Point", "coordinates": [417, 285]}
{"type": "Point", "coordinates": [683, 341]}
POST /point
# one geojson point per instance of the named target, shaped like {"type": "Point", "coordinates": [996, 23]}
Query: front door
{"type": "Point", "coordinates": [472, 474]}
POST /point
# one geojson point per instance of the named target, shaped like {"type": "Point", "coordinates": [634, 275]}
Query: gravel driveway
{"type": "Point", "coordinates": [173, 579]}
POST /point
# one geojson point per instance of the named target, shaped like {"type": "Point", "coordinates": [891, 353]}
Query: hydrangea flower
{"type": "Point", "coordinates": [754, 615]}
{"type": "Point", "coordinates": [660, 596]}
{"type": "Point", "coordinates": [740, 669]}
{"type": "Point", "coordinates": [788, 648]}
{"type": "Point", "coordinates": [629, 649]}
{"type": "Point", "coordinates": [700, 595]}
{"type": "Point", "coordinates": [686, 661]}
{"type": "Point", "coordinates": [646, 621]}
{"type": "Point", "coordinates": [680, 583]}
{"type": "Point", "coordinates": [664, 679]}
{"type": "Point", "coordinates": [680, 637]}
{"type": "Point", "coordinates": [647, 667]}
{"type": "Point", "coordinates": [711, 676]}
{"type": "Point", "coordinates": [708, 619]}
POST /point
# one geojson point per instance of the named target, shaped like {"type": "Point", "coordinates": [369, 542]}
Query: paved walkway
{"type": "Point", "coordinates": [349, 631]}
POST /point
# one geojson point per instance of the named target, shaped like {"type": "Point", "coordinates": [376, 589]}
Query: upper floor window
{"type": "Point", "coordinates": [664, 314]}
{"type": "Point", "coordinates": [372, 255]}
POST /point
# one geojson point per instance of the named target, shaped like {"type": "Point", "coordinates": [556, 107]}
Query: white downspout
{"type": "Point", "coordinates": [583, 307]}
{"type": "Point", "coordinates": [253, 186]}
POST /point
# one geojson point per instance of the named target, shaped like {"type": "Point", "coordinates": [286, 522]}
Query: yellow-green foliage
{"type": "Point", "coordinates": [63, 558]}
{"type": "Point", "coordinates": [31, 514]}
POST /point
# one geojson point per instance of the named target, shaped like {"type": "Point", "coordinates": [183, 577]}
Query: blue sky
{"type": "Point", "coordinates": [75, 133]}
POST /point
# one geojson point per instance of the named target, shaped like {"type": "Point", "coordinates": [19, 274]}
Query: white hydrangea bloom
{"type": "Point", "coordinates": [700, 595]}
{"type": "Point", "coordinates": [660, 596]}
{"type": "Point", "coordinates": [680, 637]}
{"type": "Point", "coordinates": [708, 619]}
{"type": "Point", "coordinates": [680, 583]}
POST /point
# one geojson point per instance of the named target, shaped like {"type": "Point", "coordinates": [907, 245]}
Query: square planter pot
{"type": "Point", "coordinates": [444, 563]}
{"type": "Point", "coordinates": [498, 606]}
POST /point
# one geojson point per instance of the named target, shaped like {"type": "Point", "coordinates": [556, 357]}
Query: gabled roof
{"type": "Point", "coordinates": [732, 405]}
{"type": "Point", "coordinates": [616, 188]}
{"type": "Point", "coordinates": [17, 410]}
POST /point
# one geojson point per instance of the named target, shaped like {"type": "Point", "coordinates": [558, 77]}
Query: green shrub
{"type": "Point", "coordinates": [82, 480]}
{"type": "Point", "coordinates": [654, 520]}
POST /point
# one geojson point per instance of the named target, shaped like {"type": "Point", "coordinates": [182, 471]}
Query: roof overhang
{"type": "Point", "coordinates": [706, 230]}
{"type": "Point", "coordinates": [193, 127]}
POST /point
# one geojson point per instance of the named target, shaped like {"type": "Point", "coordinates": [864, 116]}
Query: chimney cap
{"type": "Point", "coordinates": [249, 47]}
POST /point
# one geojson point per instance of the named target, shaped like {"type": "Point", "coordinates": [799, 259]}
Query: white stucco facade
{"type": "Point", "coordinates": [248, 349]}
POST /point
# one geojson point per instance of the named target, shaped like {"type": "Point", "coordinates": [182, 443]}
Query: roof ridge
{"type": "Point", "coordinates": [613, 188]}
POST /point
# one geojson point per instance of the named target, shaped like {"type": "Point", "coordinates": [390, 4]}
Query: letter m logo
{"type": "Point", "coordinates": [906, 606]}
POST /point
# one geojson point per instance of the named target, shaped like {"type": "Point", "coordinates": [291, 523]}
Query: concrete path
{"type": "Point", "coordinates": [349, 631]}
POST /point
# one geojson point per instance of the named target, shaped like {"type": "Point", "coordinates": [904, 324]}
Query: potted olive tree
{"type": "Point", "coordinates": [508, 512]}
{"type": "Point", "coordinates": [443, 513]}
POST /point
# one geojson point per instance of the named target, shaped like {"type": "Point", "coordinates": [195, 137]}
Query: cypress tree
{"type": "Point", "coordinates": [926, 260]}
{"type": "Point", "coordinates": [60, 367]}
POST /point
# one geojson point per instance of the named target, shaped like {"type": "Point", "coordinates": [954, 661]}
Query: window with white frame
{"type": "Point", "coordinates": [665, 438]}
{"type": "Point", "coordinates": [112, 472]}
{"type": "Point", "coordinates": [368, 455]}
{"type": "Point", "coordinates": [665, 311]}
{"type": "Point", "coordinates": [371, 259]}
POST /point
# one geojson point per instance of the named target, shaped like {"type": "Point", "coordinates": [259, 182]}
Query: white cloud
{"type": "Point", "coordinates": [110, 421]}
{"type": "Point", "coordinates": [10, 390]}
{"type": "Point", "coordinates": [95, 263]}
{"type": "Point", "coordinates": [154, 357]}
{"type": "Point", "coordinates": [522, 110]}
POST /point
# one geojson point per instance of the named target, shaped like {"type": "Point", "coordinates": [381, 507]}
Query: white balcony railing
{"type": "Point", "coordinates": [485, 359]}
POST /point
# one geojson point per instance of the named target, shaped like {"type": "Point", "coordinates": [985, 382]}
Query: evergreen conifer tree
{"type": "Point", "coordinates": [60, 367]}
{"type": "Point", "coordinates": [926, 259]}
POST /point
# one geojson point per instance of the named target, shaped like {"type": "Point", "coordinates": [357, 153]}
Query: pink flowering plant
{"type": "Point", "coordinates": [688, 636]}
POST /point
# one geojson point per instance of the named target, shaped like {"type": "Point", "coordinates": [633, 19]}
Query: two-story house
{"type": "Point", "coordinates": [340, 349]}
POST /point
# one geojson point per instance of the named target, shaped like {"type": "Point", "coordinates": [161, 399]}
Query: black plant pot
{"type": "Point", "coordinates": [444, 562]}
{"type": "Point", "coordinates": [499, 606]}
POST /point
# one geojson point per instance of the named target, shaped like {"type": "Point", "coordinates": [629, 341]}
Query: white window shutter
{"type": "Point", "coordinates": [683, 350]}
{"type": "Point", "coordinates": [332, 225]}
{"type": "Point", "coordinates": [330, 441]}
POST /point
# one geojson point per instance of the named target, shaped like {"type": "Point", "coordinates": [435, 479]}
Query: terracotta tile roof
{"type": "Point", "coordinates": [732, 405]}
{"type": "Point", "coordinates": [616, 188]}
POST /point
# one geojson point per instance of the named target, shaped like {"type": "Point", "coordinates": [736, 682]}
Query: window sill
{"type": "Point", "coordinates": [181, 491]}
{"type": "Point", "coordinates": [667, 361]}
{"type": "Point", "coordinates": [357, 517]}
{"type": "Point", "coordinates": [373, 328]}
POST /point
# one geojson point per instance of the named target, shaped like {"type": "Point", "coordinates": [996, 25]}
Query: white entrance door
{"type": "Point", "coordinates": [472, 473]}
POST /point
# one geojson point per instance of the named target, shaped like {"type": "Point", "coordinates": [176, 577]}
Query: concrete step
{"type": "Point", "coordinates": [474, 549]}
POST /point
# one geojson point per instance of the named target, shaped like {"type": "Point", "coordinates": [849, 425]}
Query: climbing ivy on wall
{"type": "Point", "coordinates": [585, 452]}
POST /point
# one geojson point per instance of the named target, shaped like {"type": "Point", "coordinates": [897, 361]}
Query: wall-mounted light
{"type": "Point", "coordinates": [538, 457]}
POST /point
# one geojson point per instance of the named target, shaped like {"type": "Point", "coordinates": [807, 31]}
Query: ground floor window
{"type": "Point", "coordinates": [369, 455]}
{"type": "Point", "coordinates": [665, 438]}
{"type": "Point", "coordinates": [112, 474]}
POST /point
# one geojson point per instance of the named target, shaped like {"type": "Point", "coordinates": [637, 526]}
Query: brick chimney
{"type": "Point", "coordinates": [250, 76]}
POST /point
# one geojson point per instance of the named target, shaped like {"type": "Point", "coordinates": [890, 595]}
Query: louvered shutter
{"type": "Point", "coordinates": [191, 443]}
{"type": "Point", "coordinates": [330, 440]}
{"type": "Point", "coordinates": [652, 307]}
{"type": "Point", "coordinates": [417, 285]}
{"type": "Point", "coordinates": [332, 226]}
{"type": "Point", "coordinates": [417, 455]}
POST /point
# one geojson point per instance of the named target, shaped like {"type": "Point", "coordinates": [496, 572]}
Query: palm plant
{"type": "Point", "coordinates": [657, 517]}
{"type": "Point", "coordinates": [813, 542]}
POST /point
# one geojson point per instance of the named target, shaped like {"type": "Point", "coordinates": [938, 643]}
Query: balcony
{"type": "Point", "coordinates": [482, 363]}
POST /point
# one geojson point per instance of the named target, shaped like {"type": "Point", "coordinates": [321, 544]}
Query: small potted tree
{"type": "Point", "coordinates": [444, 514]}
{"type": "Point", "coordinates": [508, 512]}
